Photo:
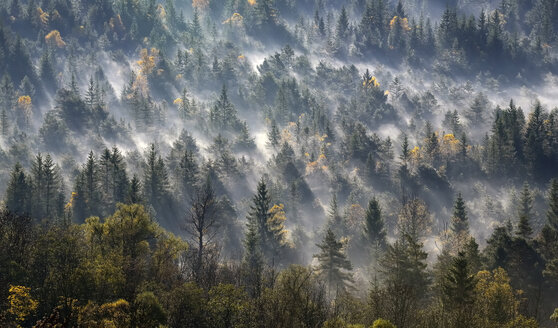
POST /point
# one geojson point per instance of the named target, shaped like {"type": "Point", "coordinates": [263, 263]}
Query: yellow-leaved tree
{"type": "Point", "coordinates": [200, 4]}
{"type": "Point", "coordinates": [497, 303]}
{"type": "Point", "coordinates": [278, 235]}
{"type": "Point", "coordinates": [25, 105]}
{"type": "Point", "coordinates": [21, 303]}
{"type": "Point", "coordinates": [54, 38]}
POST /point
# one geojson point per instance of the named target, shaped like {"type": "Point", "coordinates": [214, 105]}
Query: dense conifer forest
{"type": "Point", "coordinates": [279, 163]}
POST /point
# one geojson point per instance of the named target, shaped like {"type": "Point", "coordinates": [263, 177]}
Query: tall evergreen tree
{"type": "Point", "coordinates": [91, 188]}
{"type": "Point", "coordinates": [252, 261]}
{"type": "Point", "coordinates": [374, 231]}
{"type": "Point", "coordinates": [46, 187]}
{"type": "Point", "coordinates": [273, 136]}
{"type": "Point", "coordinates": [335, 220]}
{"type": "Point", "coordinates": [18, 192]}
{"type": "Point", "coordinates": [458, 292]}
{"type": "Point", "coordinates": [534, 142]}
{"type": "Point", "coordinates": [187, 174]}
{"type": "Point", "coordinates": [223, 114]}
{"type": "Point", "coordinates": [134, 195]}
{"type": "Point", "coordinates": [548, 242]}
{"type": "Point", "coordinates": [155, 179]}
{"type": "Point", "coordinates": [258, 216]}
{"type": "Point", "coordinates": [524, 229]}
{"type": "Point", "coordinates": [334, 267]}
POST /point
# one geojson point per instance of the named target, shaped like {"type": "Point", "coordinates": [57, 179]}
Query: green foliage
{"type": "Point", "coordinates": [333, 267]}
{"type": "Point", "coordinates": [382, 323]}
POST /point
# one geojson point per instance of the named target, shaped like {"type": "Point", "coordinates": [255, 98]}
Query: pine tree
{"type": "Point", "coordinates": [524, 229]}
{"type": "Point", "coordinates": [334, 267]}
{"type": "Point", "coordinates": [18, 192]}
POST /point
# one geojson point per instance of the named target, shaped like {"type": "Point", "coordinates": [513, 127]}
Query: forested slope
{"type": "Point", "coordinates": [278, 163]}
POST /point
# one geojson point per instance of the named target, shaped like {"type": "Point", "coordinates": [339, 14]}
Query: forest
{"type": "Point", "coordinates": [279, 163]}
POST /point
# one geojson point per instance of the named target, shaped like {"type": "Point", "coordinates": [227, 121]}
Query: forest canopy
{"type": "Point", "coordinates": [279, 163]}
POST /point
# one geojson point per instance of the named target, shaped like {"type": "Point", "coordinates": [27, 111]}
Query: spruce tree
{"type": "Point", "coordinates": [18, 192]}
{"type": "Point", "coordinates": [549, 235]}
{"type": "Point", "coordinates": [244, 141]}
{"type": "Point", "coordinates": [258, 217]}
{"type": "Point", "coordinates": [273, 136]}
{"type": "Point", "coordinates": [52, 185]}
{"type": "Point", "coordinates": [187, 174]}
{"type": "Point", "coordinates": [458, 292]}
{"type": "Point", "coordinates": [524, 229]}
{"type": "Point", "coordinates": [552, 213]}
{"type": "Point", "coordinates": [252, 261]}
{"type": "Point", "coordinates": [459, 220]}
{"type": "Point", "coordinates": [334, 267]}
{"type": "Point", "coordinates": [155, 181]}
{"type": "Point", "coordinates": [134, 195]}
{"type": "Point", "coordinates": [223, 114]}
{"type": "Point", "coordinates": [374, 231]}
{"type": "Point", "coordinates": [90, 98]}
{"type": "Point", "coordinates": [4, 124]}
{"type": "Point", "coordinates": [334, 218]}
{"type": "Point", "coordinates": [91, 188]}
